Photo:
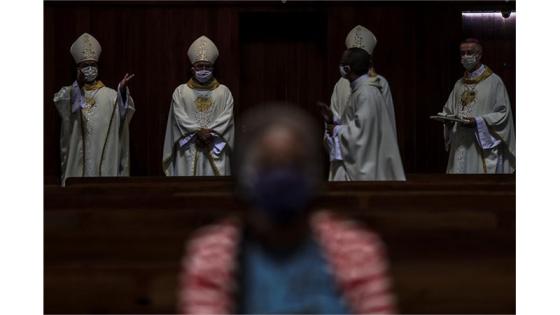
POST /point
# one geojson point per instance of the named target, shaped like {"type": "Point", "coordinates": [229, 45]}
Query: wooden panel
{"type": "Point", "coordinates": [115, 247]}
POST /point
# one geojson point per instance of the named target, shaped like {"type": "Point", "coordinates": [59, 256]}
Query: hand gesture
{"type": "Point", "coordinates": [204, 138]}
{"type": "Point", "coordinates": [124, 81]}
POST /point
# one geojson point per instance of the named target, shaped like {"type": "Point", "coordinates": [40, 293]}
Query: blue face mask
{"type": "Point", "coordinates": [203, 76]}
{"type": "Point", "coordinates": [282, 194]}
{"type": "Point", "coordinates": [469, 61]}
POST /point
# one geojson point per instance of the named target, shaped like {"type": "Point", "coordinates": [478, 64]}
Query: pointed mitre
{"type": "Point", "coordinates": [361, 37]}
{"type": "Point", "coordinates": [85, 48]}
{"type": "Point", "coordinates": [203, 49]}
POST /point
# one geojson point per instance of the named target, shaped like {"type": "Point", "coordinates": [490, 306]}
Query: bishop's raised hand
{"type": "Point", "coordinates": [124, 81]}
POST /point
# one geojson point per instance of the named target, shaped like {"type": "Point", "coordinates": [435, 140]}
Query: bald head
{"type": "Point", "coordinates": [470, 46]}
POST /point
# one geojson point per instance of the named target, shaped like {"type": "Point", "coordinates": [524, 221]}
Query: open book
{"type": "Point", "coordinates": [443, 117]}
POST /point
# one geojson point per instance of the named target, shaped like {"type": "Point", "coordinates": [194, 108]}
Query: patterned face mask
{"type": "Point", "coordinates": [90, 73]}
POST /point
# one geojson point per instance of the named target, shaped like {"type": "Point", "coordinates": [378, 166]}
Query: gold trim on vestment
{"type": "Point", "coordinates": [469, 94]}
{"type": "Point", "coordinates": [98, 85]}
{"type": "Point", "coordinates": [480, 152]}
{"type": "Point", "coordinates": [487, 72]}
{"type": "Point", "coordinates": [90, 100]}
{"type": "Point", "coordinates": [212, 85]}
{"type": "Point", "coordinates": [203, 104]}
{"type": "Point", "coordinates": [467, 97]}
{"type": "Point", "coordinates": [93, 86]}
{"type": "Point", "coordinates": [208, 156]}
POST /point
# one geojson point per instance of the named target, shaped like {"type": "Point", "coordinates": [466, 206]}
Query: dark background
{"type": "Point", "coordinates": [273, 51]}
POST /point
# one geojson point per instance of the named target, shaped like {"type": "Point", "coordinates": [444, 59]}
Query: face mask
{"type": "Point", "coordinates": [344, 70]}
{"type": "Point", "coordinates": [90, 73]}
{"type": "Point", "coordinates": [203, 76]}
{"type": "Point", "coordinates": [469, 61]}
{"type": "Point", "coordinates": [282, 194]}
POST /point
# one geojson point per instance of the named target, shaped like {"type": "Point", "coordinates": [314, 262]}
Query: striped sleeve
{"type": "Point", "coordinates": [206, 283]}
{"type": "Point", "coordinates": [358, 259]}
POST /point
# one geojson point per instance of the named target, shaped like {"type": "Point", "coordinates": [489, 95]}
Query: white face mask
{"type": "Point", "coordinates": [469, 61]}
{"type": "Point", "coordinates": [203, 76]}
{"type": "Point", "coordinates": [344, 70]}
{"type": "Point", "coordinates": [90, 73]}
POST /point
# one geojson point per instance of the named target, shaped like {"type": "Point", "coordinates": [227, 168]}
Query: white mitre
{"type": "Point", "coordinates": [203, 49]}
{"type": "Point", "coordinates": [361, 37]}
{"type": "Point", "coordinates": [85, 48]}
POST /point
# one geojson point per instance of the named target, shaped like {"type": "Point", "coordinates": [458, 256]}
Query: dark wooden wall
{"type": "Point", "coordinates": [270, 51]}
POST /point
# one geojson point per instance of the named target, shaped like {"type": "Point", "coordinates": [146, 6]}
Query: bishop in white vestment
{"type": "Point", "coordinates": [363, 144]}
{"type": "Point", "coordinates": [486, 144]}
{"type": "Point", "coordinates": [361, 37]}
{"type": "Point", "coordinates": [94, 138]}
{"type": "Point", "coordinates": [200, 127]}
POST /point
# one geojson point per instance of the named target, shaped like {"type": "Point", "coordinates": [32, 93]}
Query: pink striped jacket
{"type": "Point", "coordinates": [356, 256]}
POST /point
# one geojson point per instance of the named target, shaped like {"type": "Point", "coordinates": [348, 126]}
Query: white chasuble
{"type": "Point", "coordinates": [364, 142]}
{"type": "Point", "coordinates": [193, 108]}
{"type": "Point", "coordinates": [342, 90]}
{"type": "Point", "coordinates": [94, 138]}
{"type": "Point", "coordinates": [489, 146]}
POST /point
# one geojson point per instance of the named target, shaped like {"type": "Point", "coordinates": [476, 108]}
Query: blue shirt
{"type": "Point", "coordinates": [293, 282]}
